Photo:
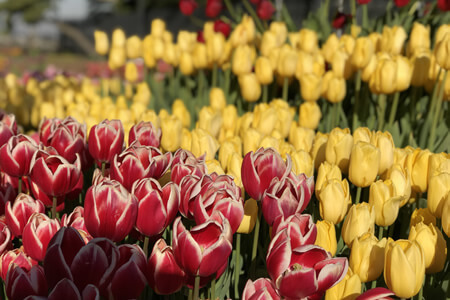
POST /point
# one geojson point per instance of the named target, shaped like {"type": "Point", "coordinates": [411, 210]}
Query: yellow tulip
{"type": "Point", "coordinates": [287, 61]}
{"type": "Point", "coordinates": [215, 46]}
{"type": "Point", "coordinates": [384, 142]}
{"type": "Point", "coordinates": [158, 27]}
{"type": "Point", "coordinates": [404, 73]}
{"type": "Point", "coordinates": [362, 134]}
{"type": "Point", "coordinates": [227, 148]}
{"type": "Point", "coordinates": [392, 39]}
{"type": "Point", "coordinates": [134, 47]}
{"type": "Point", "coordinates": [401, 180]}
{"type": "Point", "coordinates": [310, 87]}
{"type": "Point", "coordinates": [369, 69]}
{"type": "Point", "coordinates": [180, 110]}
{"type": "Point", "coordinates": [334, 89]}
{"type": "Point", "coordinates": [442, 52]}
{"type": "Point", "coordinates": [302, 163]}
{"type": "Point", "coordinates": [446, 216]}
{"type": "Point", "coordinates": [117, 57]}
{"type": "Point", "coordinates": [250, 87]}
{"type": "Point", "coordinates": [203, 143]}
{"type": "Point", "coordinates": [384, 78]}
{"type": "Point", "coordinates": [285, 116]}
{"type": "Point", "coordinates": [348, 288]}
{"type": "Point", "coordinates": [438, 163]}
{"type": "Point", "coordinates": [210, 121]}
{"type": "Point", "coordinates": [250, 215]}
{"type": "Point", "coordinates": [417, 163]}
{"type": "Point", "coordinates": [268, 42]}
{"type": "Point", "coordinates": [263, 70]}
{"type": "Point", "coordinates": [230, 118]}
{"type": "Point", "coordinates": [309, 115]}
{"type": "Point", "coordinates": [363, 52]}
{"type": "Point", "coordinates": [242, 60]}
{"type": "Point", "coordinates": [101, 42]}
{"type": "Point", "coordinates": [118, 38]}
{"type": "Point", "coordinates": [341, 65]}
{"type": "Point", "coordinates": [404, 267]}
{"type": "Point", "coordinates": [244, 32]}
{"type": "Point", "coordinates": [326, 236]}
{"type": "Point", "coordinates": [301, 138]}
{"type": "Point", "coordinates": [330, 46]}
{"type": "Point", "coordinates": [385, 202]}
{"type": "Point", "coordinates": [367, 257]}
{"type": "Point", "coordinates": [280, 30]}
{"type": "Point", "coordinates": [251, 140]}
{"type": "Point", "coordinates": [200, 56]}
{"type": "Point", "coordinates": [364, 164]}
{"type": "Point", "coordinates": [422, 215]}
{"type": "Point", "coordinates": [217, 99]}
{"type": "Point", "coordinates": [131, 72]}
{"type": "Point", "coordinates": [186, 40]}
{"type": "Point", "coordinates": [147, 51]}
{"type": "Point", "coordinates": [334, 200]}
{"type": "Point", "coordinates": [309, 40]}
{"type": "Point", "coordinates": [359, 220]}
{"type": "Point", "coordinates": [325, 172]}
{"type": "Point", "coordinates": [213, 166]}
{"type": "Point", "coordinates": [318, 151]}
{"type": "Point", "coordinates": [339, 148]}
{"type": "Point", "coordinates": [186, 139]}
{"type": "Point", "coordinates": [171, 133]}
{"type": "Point", "coordinates": [438, 191]}
{"type": "Point", "coordinates": [419, 38]}
{"type": "Point", "coordinates": [186, 64]}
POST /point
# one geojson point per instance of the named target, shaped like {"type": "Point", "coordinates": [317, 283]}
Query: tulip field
{"type": "Point", "coordinates": [249, 160]}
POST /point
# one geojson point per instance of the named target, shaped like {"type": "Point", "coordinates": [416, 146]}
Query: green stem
{"type": "Point", "coordinates": [19, 188]}
{"type": "Point", "coordinates": [285, 88]}
{"type": "Point", "coordinates": [353, 9]}
{"type": "Point", "coordinates": [237, 268]}
{"type": "Point", "coordinates": [437, 110]}
{"type": "Point", "coordinates": [415, 95]}
{"type": "Point", "coordinates": [335, 115]}
{"type": "Point", "coordinates": [420, 296]}
{"type": "Point", "coordinates": [374, 284]}
{"type": "Point", "coordinates": [146, 239]}
{"type": "Point", "coordinates": [103, 168]}
{"type": "Point", "coordinates": [365, 17]}
{"type": "Point", "coordinates": [226, 85]}
{"type": "Point", "coordinates": [358, 194]}
{"type": "Point", "coordinates": [196, 287]}
{"type": "Point", "coordinates": [214, 76]}
{"type": "Point", "coordinates": [231, 10]}
{"type": "Point", "coordinates": [356, 105]}
{"type": "Point", "coordinates": [287, 18]}
{"type": "Point", "coordinates": [265, 93]}
{"type": "Point", "coordinates": [434, 98]}
{"type": "Point", "coordinates": [54, 207]}
{"type": "Point", "coordinates": [213, 288]}
{"type": "Point", "coordinates": [394, 109]}
{"type": "Point", "coordinates": [380, 232]}
{"type": "Point", "coordinates": [190, 294]}
{"type": "Point", "coordinates": [196, 21]}
{"type": "Point", "coordinates": [255, 243]}
{"type": "Point", "coordinates": [381, 110]}
{"type": "Point", "coordinates": [252, 12]}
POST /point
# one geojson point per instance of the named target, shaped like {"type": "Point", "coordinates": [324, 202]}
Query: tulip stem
{"type": "Point", "coordinates": [196, 287]}
{"type": "Point", "coordinates": [436, 112]}
{"type": "Point", "coordinates": [380, 232]}
{"type": "Point", "coordinates": [374, 284]}
{"type": "Point", "coordinates": [214, 75]}
{"type": "Point", "coordinates": [285, 88]}
{"type": "Point", "coordinates": [393, 109]}
{"type": "Point", "coordinates": [226, 87]}
{"type": "Point", "coordinates": [231, 10]}
{"type": "Point", "coordinates": [213, 288]}
{"type": "Point", "coordinates": [54, 207]}
{"type": "Point", "coordinates": [103, 168]}
{"type": "Point", "coordinates": [358, 194]}
{"type": "Point", "coordinates": [19, 188]}
{"type": "Point", "coordinates": [265, 93]}
{"type": "Point", "coordinates": [424, 133]}
{"type": "Point", "coordinates": [237, 268]}
{"type": "Point", "coordinates": [255, 244]}
{"type": "Point", "coordinates": [335, 115]}
{"type": "Point", "coordinates": [146, 239]}
{"type": "Point", "coordinates": [356, 105]}
{"type": "Point", "coordinates": [252, 12]}
{"type": "Point", "coordinates": [381, 110]}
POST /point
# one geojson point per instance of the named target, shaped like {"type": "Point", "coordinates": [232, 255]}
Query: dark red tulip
{"type": "Point", "coordinates": [106, 139]}
{"type": "Point", "coordinates": [401, 3]}
{"type": "Point", "coordinates": [213, 8]}
{"type": "Point", "coordinates": [8, 127]}
{"type": "Point", "coordinates": [262, 288]}
{"type": "Point", "coordinates": [18, 213]}
{"type": "Point", "coordinates": [255, 1]}
{"type": "Point", "coordinates": [65, 289]}
{"type": "Point", "coordinates": [185, 163]}
{"type": "Point", "coordinates": [37, 234]}
{"type": "Point", "coordinates": [362, 2]}
{"type": "Point", "coordinates": [7, 194]}
{"type": "Point", "coordinates": [340, 20]}
{"type": "Point", "coordinates": [222, 27]}
{"type": "Point", "coordinates": [187, 7]}
{"type": "Point", "coordinates": [265, 10]}
{"type": "Point", "coordinates": [443, 5]}
{"type": "Point", "coordinates": [146, 134]}
{"type": "Point", "coordinates": [259, 168]}
{"type": "Point", "coordinates": [17, 257]}
{"type": "Point", "coordinates": [5, 238]}
{"type": "Point", "coordinates": [110, 210]}
{"type": "Point", "coordinates": [161, 201]}
{"type": "Point", "coordinates": [21, 282]}
{"type": "Point", "coordinates": [378, 293]}
{"type": "Point", "coordinates": [164, 275]}
{"type": "Point", "coordinates": [16, 155]}
{"type": "Point", "coordinates": [300, 229]}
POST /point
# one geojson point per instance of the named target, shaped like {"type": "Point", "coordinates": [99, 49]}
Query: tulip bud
{"type": "Point", "coordinates": [364, 164]}
{"type": "Point", "coordinates": [339, 147]}
{"type": "Point", "coordinates": [334, 200]}
{"type": "Point", "coordinates": [204, 143]}
{"type": "Point", "coordinates": [419, 38]}
{"type": "Point", "coordinates": [242, 60]}
{"type": "Point", "coordinates": [171, 133]}
{"type": "Point", "coordinates": [318, 150]}
{"type": "Point", "coordinates": [21, 282]}
{"type": "Point", "coordinates": [417, 163]}
{"type": "Point", "coordinates": [348, 288]}
{"type": "Point", "coordinates": [363, 52]}
{"type": "Point", "coordinates": [131, 72]}
{"type": "Point", "coordinates": [250, 87]}
{"type": "Point", "coordinates": [217, 99]}
{"type": "Point", "coordinates": [446, 216]}
{"type": "Point", "coordinates": [438, 190]}
{"type": "Point", "coordinates": [106, 139]}
{"type": "Point", "coordinates": [261, 288]}
{"type": "Point", "coordinates": [384, 78]}
{"type": "Point", "coordinates": [359, 220]}
{"type": "Point", "coordinates": [392, 39]}
{"type": "Point", "coordinates": [442, 52]}
{"type": "Point", "coordinates": [118, 38]}
{"type": "Point", "coordinates": [309, 115]}
{"type": "Point", "coordinates": [215, 45]}
{"type": "Point", "coordinates": [404, 73]}
{"type": "Point", "coordinates": [117, 57]}
{"type": "Point", "coordinates": [287, 61]}
{"type": "Point", "coordinates": [384, 142]}
{"type": "Point", "coordinates": [333, 88]}
{"type": "Point", "coordinates": [310, 87]}
{"type": "Point", "coordinates": [263, 70]}
{"type": "Point", "coordinates": [186, 63]}
{"type": "Point", "coordinates": [326, 236]}
{"type": "Point", "coordinates": [17, 214]}
{"type": "Point", "coordinates": [330, 46]}
{"type": "Point", "coordinates": [367, 257]}
{"type": "Point", "coordinates": [101, 42]}
{"type": "Point", "coordinates": [384, 201]}
{"type": "Point", "coordinates": [134, 47]}
{"type": "Point", "coordinates": [325, 172]}
{"type": "Point", "coordinates": [404, 267]}
{"type": "Point", "coordinates": [401, 180]}
{"type": "Point", "coordinates": [309, 40]}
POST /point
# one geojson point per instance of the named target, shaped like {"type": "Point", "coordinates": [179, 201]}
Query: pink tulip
{"type": "Point", "coordinates": [110, 210]}
{"type": "Point", "coordinates": [21, 282]}
{"type": "Point", "coordinates": [286, 197]}
{"type": "Point", "coordinates": [260, 168]}
{"type": "Point", "coordinates": [37, 234]}
{"type": "Point", "coordinates": [16, 155]}
{"type": "Point", "coordinates": [204, 249]}
{"type": "Point", "coordinates": [185, 163]}
{"type": "Point", "coordinates": [219, 193]}
{"type": "Point", "coordinates": [260, 289]}
{"type": "Point", "coordinates": [162, 202]}
{"type": "Point", "coordinates": [299, 228]}
{"type": "Point", "coordinates": [8, 127]}
{"type": "Point", "coordinates": [16, 257]}
{"type": "Point", "coordinates": [378, 293]}
{"type": "Point", "coordinates": [106, 139]}
{"type": "Point", "coordinates": [145, 133]}
{"type": "Point", "coordinates": [309, 264]}
{"type": "Point", "coordinates": [164, 274]}
{"type": "Point", "coordinates": [17, 214]}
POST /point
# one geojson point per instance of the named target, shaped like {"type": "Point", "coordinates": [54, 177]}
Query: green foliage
{"type": "Point", "coordinates": [32, 10]}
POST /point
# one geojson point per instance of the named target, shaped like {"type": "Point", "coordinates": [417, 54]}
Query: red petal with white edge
{"type": "Point", "coordinates": [279, 258]}
{"type": "Point", "coordinates": [157, 223]}
{"type": "Point", "coordinates": [215, 257]}
{"type": "Point", "coordinates": [250, 178]}
{"type": "Point", "coordinates": [206, 234]}
{"type": "Point", "coordinates": [379, 293]}
{"type": "Point", "coordinates": [309, 255]}
{"type": "Point", "coordinates": [331, 271]}
{"type": "Point", "coordinates": [297, 284]}
{"type": "Point", "coordinates": [190, 252]}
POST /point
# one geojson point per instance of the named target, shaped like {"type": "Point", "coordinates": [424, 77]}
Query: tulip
{"type": "Point", "coordinates": [185, 163]}
{"type": "Point", "coordinates": [134, 47]}
{"type": "Point", "coordinates": [171, 133]}
{"type": "Point", "coordinates": [386, 204]}
{"type": "Point", "coordinates": [341, 65]}
{"type": "Point", "coordinates": [180, 110]}
{"type": "Point", "coordinates": [8, 127]}
{"type": "Point", "coordinates": [117, 57]}
{"type": "Point", "coordinates": [161, 201]}
{"type": "Point", "coordinates": [110, 210]}
{"type": "Point", "coordinates": [334, 200]}
{"type": "Point", "coordinates": [131, 72]}
{"type": "Point", "coordinates": [419, 38]}
{"type": "Point", "coordinates": [404, 267]}
{"type": "Point", "coordinates": [17, 214]}
{"type": "Point", "coordinates": [164, 275]}
{"type": "Point", "coordinates": [250, 215]}
{"type": "Point", "coordinates": [339, 147]}
{"type": "Point", "coordinates": [5, 238]}
{"type": "Point", "coordinates": [16, 155]}
{"type": "Point", "coordinates": [209, 245]}
{"type": "Point", "coordinates": [384, 142]}
{"type": "Point", "coordinates": [65, 288]}
{"type": "Point", "coordinates": [222, 27]}
{"type": "Point", "coordinates": [118, 38]}
{"type": "Point", "coordinates": [437, 193]}
{"type": "Point", "coordinates": [146, 133]}
{"type": "Point", "coordinates": [37, 234]}
{"type": "Point", "coordinates": [204, 144]}
{"type": "Point", "coordinates": [359, 220]}
{"type": "Point", "coordinates": [404, 73]}
{"type": "Point", "coordinates": [68, 140]}
{"type": "Point", "coordinates": [310, 87]}
{"type": "Point", "coordinates": [326, 172]}
{"type": "Point", "coordinates": [326, 236]}
{"type": "Point", "coordinates": [363, 52]}
{"type": "Point", "coordinates": [302, 163]}
{"type": "Point", "coordinates": [299, 227]}
{"type": "Point", "coordinates": [213, 8]}
{"type": "Point", "coordinates": [76, 220]}
{"type": "Point", "coordinates": [441, 51]}
{"type": "Point", "coordinates": [264, 118]}
{"type": "Point", "coordinates": [438, 163]}
{"type": "Point", "coordinates": [21, 282]}
{"type": "Point", "coordinates": [367, 257]}
{"type": "Point", "coordinates": [309, 40]}
{"type": "Point", "coordinates": [287, 61]}
{"type": "Point", "coordinates": [242, 60]}
{"type": "Point", "coordinates": [263, 70]}
{"type": "Point", "coordinates": [364, 164]}
{"type": "Point", "coordinates": [309, 115]}
{"type": "Point", "coordinates": [210, 120]}
{"type": "Point", "coordinates": [446, 216]}
{"type": "Point", "coordinates": [217, 99]}
{"type": "Point", "coordinates": [318, 150]}
{"type": "Point", "coordinates": [393, 38]}
{"type": "Point", "coordinates": [348, 288]}
{"type": "Point", "coordinates": [417, 162]}
{"type": "Point", "coordinates": [106, 139]}
{"type": "Point", "coordinates": [101, 42]}
{"type": "Point", "coordinates": [262, 288]}
{"type": "Point", "coordinates": [420, 63]}
{"type": "Point", "coordinates": [401, 180]}
{"type": "Point", "coordinates": [250, 87]}
{"type": "Point", "coordinates": [301, 138]}
{"type": "Point", "coordinates": [433, 244]}
{"type": "Point", "coordinates": [186, 63]}
{"type": "Point", "coordinates": [259, 168]}
{"type": "Point", "coordinates": [16, 257]}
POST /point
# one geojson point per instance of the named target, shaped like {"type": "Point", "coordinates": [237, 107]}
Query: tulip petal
{"type": "Point", "coordinates": [214, 257]}
{"type": "Point", "coordinates": [331, 272]}
{"type": "Point", "coordinates": [289, 287]}
{"type": "Point", "coordinates": [65, 289]}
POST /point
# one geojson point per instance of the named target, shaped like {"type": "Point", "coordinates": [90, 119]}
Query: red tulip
{"type": "Point", "coordinates": [187, 7]}
{"type": "Point", "coordinates": [299, 228]}
{"type": "Point", "coordinates": [362, 2]}
{"type": "Point", "coordinates": [185, 163]}
{"type": "Point", "coordinates": [204, 249]}
{"type": "Point", "coordinates": [18, 213]}
{"type": "Point", "coordinates": [340, 20]}
{"type": "Point", "coordinates": [110, 210]}
{"type": "Point", "coordinates": [54, 175]}
{"type": "Point", "coordinates": [37, 234]}
{"type": "Point", "coordinates": [7, 194]}
{"type": "Point", "coordinates": [401, 3]}
{"type": "Point", "coordinates": [161, 202]}
{"type": "Point", "coordinates": [259, 168]}
{"type": "Point", "coordinates": [219, 193]}
{"type": "Point", "coordinates": [265, 10]}
{"type": "Point", "coordinates": [106, 139]}
{"type": "Point", "coordinates": [5, 238]}
{"type": "Point", "coordinates": [67, 143]}
{"type": "Point", "coordinates": [145, 133]}
{"type": "Point", "coordinates": [16, 257]}
{"type": "Point", "coordinates": [189, 189]}
{"type": "Point", "coordinates": [222, 27]}
{"type": "Point", "coordinates": [255, 1]}
{"type": "Point", "coordinates": [46, 127]}
{"type": "Point", "coordinates": [47, 200]}
{"type": "Point", "coordinates": [286, 197]}
{"type": "Point", "coordinates": [65, 289]}
{"type": "Point", "coordinates": [378, 293]}
{"type": "Point", "coordinates": [129, 277]}
{"type": "Point", "coordinates": [200, 37]}
{"type": "Point", "coordinates": [76, 220]}
{"type": "Point", "coordinates": [21, 282]}
{"type": "Point", "coordinates": [309, 264]}
{"type": "Point", "coordinates": [8, 127]}
{"type": "Point", "coordinates": [260, 289]}
{"type": "Point", "coordinates": [213, 8]}
{"type": "Point", "coordinates": [444, 5]}
{"type": "Point", "coordinates": [164, 275]}
{"type": "Point", "coordinates": [16, 155]}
